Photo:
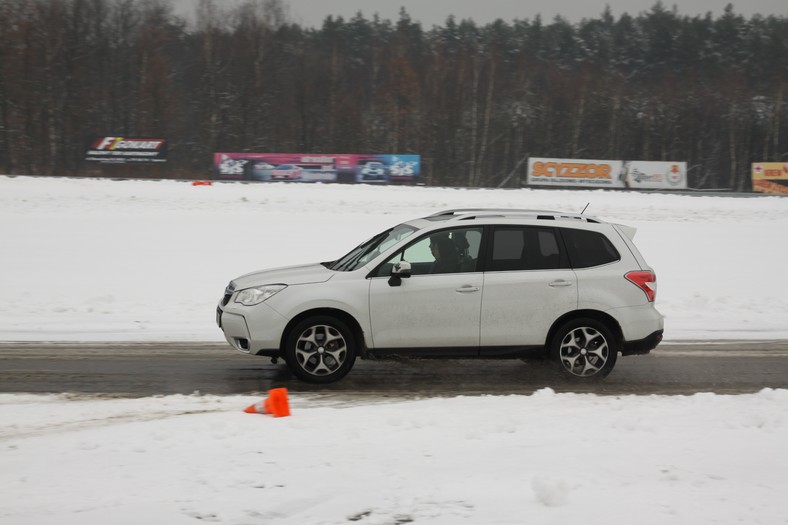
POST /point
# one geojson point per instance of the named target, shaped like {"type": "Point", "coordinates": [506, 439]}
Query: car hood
{"type": "Point", "coordinates": [290, 275]}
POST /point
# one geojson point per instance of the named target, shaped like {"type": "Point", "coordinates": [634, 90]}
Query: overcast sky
{"type": "Point", "coordinates": [435, 12]}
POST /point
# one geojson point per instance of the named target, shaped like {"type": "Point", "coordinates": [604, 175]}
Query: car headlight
{"type": "Point", "coordinates": [258, 294]}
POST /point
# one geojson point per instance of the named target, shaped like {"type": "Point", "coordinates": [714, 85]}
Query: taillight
{"type": "Point", "coordinates": [646, 281]}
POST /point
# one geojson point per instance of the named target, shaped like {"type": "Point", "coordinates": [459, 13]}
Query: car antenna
{"type": "Point", "coordinates": [584, 209]}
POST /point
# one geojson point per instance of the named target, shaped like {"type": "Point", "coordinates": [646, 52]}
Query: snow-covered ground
{"type": "Point", "coordinates": [97, 260]}
{"type": "Point", "coordinates": [542, 459]}
{"type": "Point", "coordinates": [89, 260]}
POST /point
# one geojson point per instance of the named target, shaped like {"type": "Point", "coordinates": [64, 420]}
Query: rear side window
{"type": "Point", "coordinates": [587, 248]}
{"type": "Point", "coordinates": [525, 248]}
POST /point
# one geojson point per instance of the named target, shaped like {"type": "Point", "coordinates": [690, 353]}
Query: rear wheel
{"type": "Point", "coordinates": [320, 349]}
{"type": "Point", "coordinates": [585, 348]}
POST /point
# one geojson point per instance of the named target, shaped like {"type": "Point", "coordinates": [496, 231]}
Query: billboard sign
{"type": "Point", "coordinates": [122, 150]}
{"type": "Point", "coordinates": [655, 175]}
{"type": "Point", "coordinates": [770, 177]}
{"type": "Point", "coordinates": [322, 167]}
{"type": "Point", "coordinates": [575, 172]}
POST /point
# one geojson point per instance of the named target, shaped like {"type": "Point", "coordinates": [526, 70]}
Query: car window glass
{"type": "Point", "coordinates": [368, 250]}
{"type": "Point", "coordinates": [588, 248]}
{"type": "Point", "coordinates": [507, 245]}
{"type": "Point", "coordinates": [517, 248]}
{"type": "Point", "coordinates": [447, 251]}
{"type": "Point", "coordinates": [388, 243]}
{"type": "Point", "coordinates": [419, 252]}
{"type": "Point", "coordinates": [548, 244]}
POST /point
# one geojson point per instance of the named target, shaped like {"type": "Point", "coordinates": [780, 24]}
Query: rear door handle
{"type": "Point", "coordinates": [467, 289]}
{"type": "Point", "coordinates": [560, 283]}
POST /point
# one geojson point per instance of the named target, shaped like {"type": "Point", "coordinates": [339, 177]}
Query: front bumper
{"type": "Point", "coordinates": [253, 330]}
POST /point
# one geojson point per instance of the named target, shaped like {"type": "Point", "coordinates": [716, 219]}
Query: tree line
{"type": "Point", "coordinates": [475, 101]}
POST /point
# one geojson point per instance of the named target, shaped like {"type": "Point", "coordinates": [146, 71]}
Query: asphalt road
{"type": "Point", "coordinates": [137, 370]}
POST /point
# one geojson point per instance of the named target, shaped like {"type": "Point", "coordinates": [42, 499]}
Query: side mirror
{"type": "Point", "coordinates": [399, 271]}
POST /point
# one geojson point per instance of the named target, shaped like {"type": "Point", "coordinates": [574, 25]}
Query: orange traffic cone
{"type": "Point", "coordinates": [275, 404]}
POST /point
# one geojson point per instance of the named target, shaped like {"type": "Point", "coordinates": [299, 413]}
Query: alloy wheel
{"type": "Point", "coordinates": [584, 351]}
{"type": "Point", "coordinates": [321, 350]}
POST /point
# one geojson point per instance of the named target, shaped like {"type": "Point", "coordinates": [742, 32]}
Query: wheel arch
{"type": "Point", "coordinates": [349, 320]}
{"type": "Point", "coordinates": [602, 317]}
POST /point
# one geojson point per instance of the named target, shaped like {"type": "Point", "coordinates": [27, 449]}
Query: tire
{"type": "Point", "coordinates": [320, 349]}
{"type": "Point", "coordinates": [585, 349]}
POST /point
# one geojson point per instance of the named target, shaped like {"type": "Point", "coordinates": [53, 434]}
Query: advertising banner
{"type": "Point", "coordinates": [575, 172]}
{"type": "Point", "coordinates": [655, 175]}
{"type": "Point", "coordinates": [322, 167]}
{"type": "Point", "coordinates": [770, 177]}
{"type": "Point", "coordinates": [122, 150]}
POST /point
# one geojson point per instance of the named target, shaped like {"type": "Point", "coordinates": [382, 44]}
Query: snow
{"type": "Point", "coordinates": [102, 260]}
{"type": "Point", "coordinates": [544, 458]}
{"type": "Point", "coordinates": [93, 260]}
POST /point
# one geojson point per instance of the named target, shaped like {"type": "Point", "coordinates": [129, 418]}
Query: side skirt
{"type": "Point", "coordinates": [485, 352]}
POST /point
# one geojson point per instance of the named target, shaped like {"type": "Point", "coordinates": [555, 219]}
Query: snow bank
{"type": "Point", "coordinates": [544, 458]}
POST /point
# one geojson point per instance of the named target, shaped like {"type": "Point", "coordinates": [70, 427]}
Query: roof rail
{"type": "Point", "coordinates": [465, 211]}
{"type": "Point", "coordinates": [469, 213]}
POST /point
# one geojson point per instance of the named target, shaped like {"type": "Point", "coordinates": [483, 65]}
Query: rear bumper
{"type": "Point", "coordinates": [642, 346]}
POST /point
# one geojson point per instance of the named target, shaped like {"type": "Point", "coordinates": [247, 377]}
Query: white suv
{"type": "Point", "coordinates": [460, 283]}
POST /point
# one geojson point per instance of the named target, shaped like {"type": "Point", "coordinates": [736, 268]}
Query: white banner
{"type": "Point", "coordinates": [656, 175]}
{"type": "Point", "coordinates": [575, 172]}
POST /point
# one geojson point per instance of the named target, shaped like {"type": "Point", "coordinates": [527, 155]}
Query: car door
{"type": "Point", "coordinates": [429, 313]}
{"type": "Point", "coordinates": [528, 284]}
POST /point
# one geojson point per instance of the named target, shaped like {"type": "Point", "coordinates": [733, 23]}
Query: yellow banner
{"type": "Point", "coordinates": [770, 171]}
{"type": "Point", "coordinates": [767, 186]}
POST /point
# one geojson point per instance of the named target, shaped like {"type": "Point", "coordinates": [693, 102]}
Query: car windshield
{"type": "Point", "coordinates": [368, 250]}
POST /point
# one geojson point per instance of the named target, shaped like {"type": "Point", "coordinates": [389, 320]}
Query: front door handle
{"type": "Point", "coordinates": [467, 289]}
{"type": "Point", "coordinates": [560, 283]}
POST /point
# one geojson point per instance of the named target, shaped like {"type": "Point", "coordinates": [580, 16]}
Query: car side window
{"type": "Point", "coordinates": [447, 251]}
{"type": "Point", "coordinates": [517, 248]}
{"type": "Point", "coordinates": [587, 248]}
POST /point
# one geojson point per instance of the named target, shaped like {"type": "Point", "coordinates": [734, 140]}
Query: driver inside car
{"type": "Point", "coordinates": [444, 250]}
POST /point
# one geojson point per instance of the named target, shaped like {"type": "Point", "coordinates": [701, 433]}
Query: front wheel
{"type": "Point", "coordinates": [585, 348]}
{"type": "Point", "coordinates": [320, 350]}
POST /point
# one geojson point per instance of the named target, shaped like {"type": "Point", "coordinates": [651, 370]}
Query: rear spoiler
{"type": "Point", "coordinates": [629, 231]}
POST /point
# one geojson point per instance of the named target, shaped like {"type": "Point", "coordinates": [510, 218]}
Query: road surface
{"type": "Point", "coordinates": [145, 369]}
